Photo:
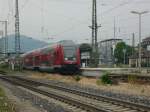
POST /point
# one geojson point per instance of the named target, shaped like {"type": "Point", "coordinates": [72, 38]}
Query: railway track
{"type": "Point", "coordinates": [126, 77]}
{"type": "Point", "coordinates": [81, 99]}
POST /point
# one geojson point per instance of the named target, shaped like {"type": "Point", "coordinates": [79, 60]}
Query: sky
{"type": "Point", "coordinates": [55, 20]}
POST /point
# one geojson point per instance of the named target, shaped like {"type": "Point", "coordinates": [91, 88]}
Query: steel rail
{"type": "Point", "coordinates": [65, 99]}
{"type": "Point", "coordinates": [139, 107]}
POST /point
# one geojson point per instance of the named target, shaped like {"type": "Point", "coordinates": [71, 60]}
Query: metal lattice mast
{"type": "Point", "coordinates": [17, 32]}
{"type": "Point", "coordinates": [94, 26]}
{"type": "Point", "coordinates": [94, 55]}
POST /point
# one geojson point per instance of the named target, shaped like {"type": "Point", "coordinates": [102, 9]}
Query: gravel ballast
{"type": "Point", "coordinates": [145, 100]}
{"type": "Point", "coordinates": [42, 103]}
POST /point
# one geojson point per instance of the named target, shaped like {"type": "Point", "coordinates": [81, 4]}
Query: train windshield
{"type": "Point", "coordinates": [70, 53]}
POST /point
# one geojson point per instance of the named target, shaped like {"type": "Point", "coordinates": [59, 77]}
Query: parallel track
{"type": "Point", "coordinates": [66, 99]}
{"type": "Point", "coordinates": [126, 77]}
{"type": "Point", "coordinates": [99, 103]}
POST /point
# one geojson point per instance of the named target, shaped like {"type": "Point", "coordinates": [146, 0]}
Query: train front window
{"type": "Point", "coordinates": [70, 53]}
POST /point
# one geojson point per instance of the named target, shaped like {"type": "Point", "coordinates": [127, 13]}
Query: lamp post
{"type": "Point", "coordinates": [140, 14]}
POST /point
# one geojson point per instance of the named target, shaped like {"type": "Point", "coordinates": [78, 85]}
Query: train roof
{"type": "Point", "coordinates": [66, 43]}
{"type": "Point", "coordinates": [63, 43]}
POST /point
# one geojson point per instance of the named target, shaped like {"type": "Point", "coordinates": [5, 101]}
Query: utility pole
{"type": "Point", "coordinates": [124, 52]}
{"type": "Point", "coordinates": [114, 42]}
{"type": "Point", "coordinates": [5, 39]}
{"type": "Point", "coordinates": [115, 29]}
{"type": "Point", "coordinates": [17, 38]}
{"type": "Point", "coordinates": [94, 27]}
{"type": "Point", "coordinates": [1, 44]}
{"type": "Point", "coordinates": [17, 32]}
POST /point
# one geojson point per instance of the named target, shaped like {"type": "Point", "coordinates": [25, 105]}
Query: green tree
{"type": "Point", "coordinates": [121, 49]}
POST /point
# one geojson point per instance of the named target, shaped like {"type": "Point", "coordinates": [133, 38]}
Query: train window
{"type": "Point", "coordinates": [70, 51]}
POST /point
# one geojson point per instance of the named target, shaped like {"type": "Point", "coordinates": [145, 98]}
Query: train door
{"type": "Point", "coordinates": [56, 57]}
{"type": "Point", "coordinates": [50, 57]}
{"type": "Point", "coordinates": [37, 61]}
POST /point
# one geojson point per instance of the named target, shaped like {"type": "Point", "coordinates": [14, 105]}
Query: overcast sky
{"type": "Point", "coordinates": [69, 19]}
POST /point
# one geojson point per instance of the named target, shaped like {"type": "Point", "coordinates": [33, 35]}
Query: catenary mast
{"type": "Point", "coordinates": [17, 31]}
{"type": "Point", "coordinates": [94, 27]}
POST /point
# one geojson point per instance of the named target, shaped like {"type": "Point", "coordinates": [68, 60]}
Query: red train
{"type": "Point", "coordinates": [63, 56]}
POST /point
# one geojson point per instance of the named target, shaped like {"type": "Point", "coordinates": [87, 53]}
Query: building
{"type": "Point", "coordinates": [106, 51]}
{"type": "Point", "coordinates": [85, 51]}
{"type": "Point", "coordinates": [145, 55]}
{"type": "Point", "coordinates": [145, 61]}
{"type": "Point", "coordinates": [85, 59]}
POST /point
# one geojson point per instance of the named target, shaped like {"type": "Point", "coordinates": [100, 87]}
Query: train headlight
{"type": "Point", "coordinates": [74, 59]}
{"type": "Point", "coordinates": [66, 59]}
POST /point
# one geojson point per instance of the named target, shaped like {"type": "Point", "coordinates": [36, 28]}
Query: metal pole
{"type": "Point", "coordinates": [96, 43]}
{"type": "Point", "coordinates": [133, 43]}
{"type": "Point", "coordinates": [5, 47]}
{"type": "Point", "coordinates": [94, 54]}
{"type": "Point", "coordinates": [6, 39]}
{"type": "Point", "coordinates": [115, 29]}
{"type": "Point", "coordinates": [94, 34]}
{"type": "Point", "coordinates": [96, 28]}
{"type": "Point", "coordinates": [2, 44]}
{"type": "Point", "coordinates": [17, 37]}
{"type": "Point", "coordinates": [140, 50]}
{"type": "Point", "coordinates": [17, 32]}
{"type": "Point", "coordinates": [140, 42]}
{"type": "Point", "coordinates": [124, 57]}
{"type": "Point", "coordinates": [93, 20]}
{"type": "Point", "coordinates": [115, 41]}
{"type": "Point", "coordinates": [124, 52]}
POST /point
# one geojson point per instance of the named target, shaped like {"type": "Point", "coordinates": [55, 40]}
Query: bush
{"type": "Point", "coordinates": [4, 66]}
{"type": "Point", "coordinates": [98, 82]}
{"type": "Point", "coordinates": [105, 79]}
{"type": "Point", "coordinates": [2, 93]}
{"type": "Point", "coordinates": [77, 78]}
{"type": "Point", "coordinates": [132, 79]}
{"type": "Point", "coordinates": [5, 104]}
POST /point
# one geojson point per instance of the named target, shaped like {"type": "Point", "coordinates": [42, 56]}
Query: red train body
{"type": "Point", "coordinates": [63, 56]}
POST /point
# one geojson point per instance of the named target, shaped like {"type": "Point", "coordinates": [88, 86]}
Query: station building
{"type": "Point", "coordinates": [145, 55]}
{"type": "Point", "coordinates": [106, 51]}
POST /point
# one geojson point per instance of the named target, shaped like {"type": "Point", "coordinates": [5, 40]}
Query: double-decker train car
{"type": "Point", "coordinates": [63, 56]}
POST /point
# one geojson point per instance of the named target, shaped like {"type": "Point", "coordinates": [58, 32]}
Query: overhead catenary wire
{"type": "Point", "coordinates": [108, 11]}
{"type": "Point", "coordinates": [80, 22]}
{"type": "Point", "coordinates": [84, 22]}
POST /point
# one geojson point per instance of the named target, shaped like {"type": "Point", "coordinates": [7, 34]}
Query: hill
{"type": "Point", "coordinates": [27, 43]}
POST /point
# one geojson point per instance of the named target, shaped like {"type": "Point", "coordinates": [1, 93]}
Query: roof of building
{"type": "Point", "coordinates": [146, 41]}
{"type": "Point", "coordinates": [112, 39]}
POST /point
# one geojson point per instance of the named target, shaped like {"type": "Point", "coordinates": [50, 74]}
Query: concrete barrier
{"type": "Point", "coordinates": [98, 72]}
